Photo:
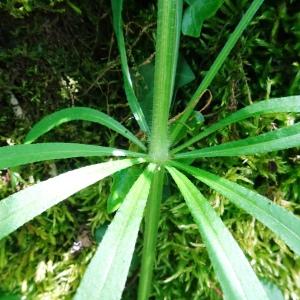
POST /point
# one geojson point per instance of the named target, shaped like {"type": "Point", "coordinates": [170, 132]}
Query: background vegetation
{"type": "Point", "coordinates": [60, 53]}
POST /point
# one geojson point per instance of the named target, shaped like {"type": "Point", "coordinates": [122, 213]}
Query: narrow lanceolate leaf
{"type": "Point", "coordinates": [238, 280]}
{"type": "Point", "coordinates": [131, 97]}
{"type": "Point", "coordinates": [12, 156]}
{"type": "Point", "coordinates": [216, 66]}
{"type": "Point", "coordinates": [23, 206]}
{"type": "Point", "coordinates": [79, 113]}
{"type": "Point", "coordinates": [282, 222]}
{"type": "Point", "coordinates": [106, 275]}
{"type": "Point", "coordinates": [280, 139]}
{"type": "Point", "coordinates": [196, 14]}
{"type": "Point", "coordinates": [276, 105]}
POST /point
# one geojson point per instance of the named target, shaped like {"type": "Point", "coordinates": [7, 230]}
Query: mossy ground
{"type": "Point", "coordinates": [54, 55]}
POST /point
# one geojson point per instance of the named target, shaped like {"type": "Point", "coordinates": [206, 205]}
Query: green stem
{"type": "Point", "coordinates": [214, 69]}
{"type": "Point", "coordinates": [167, 42]}
{"type": "Point", "coordinates": [150, 236]}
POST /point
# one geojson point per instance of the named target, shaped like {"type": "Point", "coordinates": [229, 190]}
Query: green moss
{"type": "Point", "coordinates": [53, 57]}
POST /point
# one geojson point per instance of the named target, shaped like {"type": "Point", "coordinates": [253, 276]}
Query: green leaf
{"type": "Point", "coordinates": [234, 272]}
{"type": "Point", "coordinates": [131, 97]}
{"type": "Point", "coordinates": [100, 232]}
{"type": "Point", "coordinates": [144, 89]}
{"type": "Point", "coordinates": [23, 206]}
{"type": "Point", "coordinates": [122, 182]}
{"type": "Point", "coordinates": [197, 13]}
{"type": "Point", "coordinates": [184, 75]}
{"type": "Point", "coordinates": [216, 66]}
{"type": "Point", "coordinates": [276, 105]}
{"type": "Point", "coordinates": [106, 275]}
{"type": "Point", "coordinates": [272, 290]}
{"type": "Point", "coordinates": [272, 141]}
{"type": "Point", "coordinates": [282, 222]}
{"type": "Point", "coordinates": [9, 297]}
{"type": "Point", "coordinates": [79, 113]}
{"type": "Point", "coordinates": [11, 156]}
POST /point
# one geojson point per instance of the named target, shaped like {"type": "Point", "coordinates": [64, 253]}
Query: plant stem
{"type": "Point", "coordinates": [167, 42]}
{"type": "Point", "coordinates": [214, 69]}
{"type": "Point", "coordinates": [150, 236]}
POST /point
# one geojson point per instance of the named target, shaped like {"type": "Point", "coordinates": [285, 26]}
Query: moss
{"type": "Point", "coordinates": [53, 57]}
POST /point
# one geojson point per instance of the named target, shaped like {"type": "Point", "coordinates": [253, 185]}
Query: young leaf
{"type": "Point", "coordinates": [234, 272]}
{"type": "Point", "coordinates": [106, 274]}
{"type": "Point", "coordinates": [197, 13]}
{"type": "Point", "coordinates": [122, 182]}
{"type": "Point", "coordinates": [276, 105]}
{"type": "Point", "coordinates": [131, 97]}
{"type": "Point", "coordinates": [216, 66]}
{"type": "Point", "coordinates": [79, 113]}
{"type": "Point", "coordinates": [278, 219]}
{"type": "Point", "coordinates": [271, 141]}
{"type": "Point", "coordinates": [23, 206]}
{"type": "Point", "coordinates": [12, 156]}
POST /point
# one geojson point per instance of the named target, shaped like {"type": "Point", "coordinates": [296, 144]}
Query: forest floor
{"type": "Point", "coordinates": [57, 54]}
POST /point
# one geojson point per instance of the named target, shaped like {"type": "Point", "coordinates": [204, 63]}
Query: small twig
{"type": "Point", "coordinates": [108, 67]}
{"type": "Point", "coordinates": [208, 102]}
{"type": "Point", "coordinates": [148, 60]}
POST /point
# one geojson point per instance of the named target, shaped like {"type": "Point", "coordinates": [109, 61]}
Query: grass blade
{"type": "Point", "coordinates": [106, 274]}
{"type": "Point", "coordinates": [216, 66]}
{"type": "Point", "coordinates": [12, 156]}
{"type": "Point", "coordinates": [280, 139]}
{"type": "Point", "coordinates": [131, 97]}
{"type": "Point", "coordinates": [23, 206]}
{"type": "Point", "coordinates": [277, 105]}
{"type": "Point", "coordinates": [79, 113]}
{"type": "Point", "coordinates": [285, 224]}
{"type": "Point", "coordinates": [234, 272]}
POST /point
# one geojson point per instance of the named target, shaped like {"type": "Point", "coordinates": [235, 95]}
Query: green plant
{"type": "Point", "coordinates": [106, 275]}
